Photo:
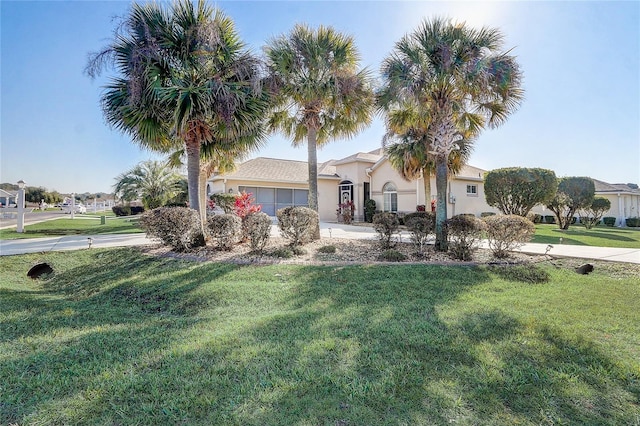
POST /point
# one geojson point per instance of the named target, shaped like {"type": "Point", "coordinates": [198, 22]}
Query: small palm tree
{"type": "Point", "coordinates": [458, 74]}
{"type": "Point", "coordinates": [150, 181]}
{"type": "Point", "coordinates": [185, 78]}
{"type": "Point", "coordinates": [321, 95]}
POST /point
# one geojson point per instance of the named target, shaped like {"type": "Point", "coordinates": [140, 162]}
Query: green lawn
{"type": "Point", "coordinates": [81, 225]}
{"type": "Point", "coordinates": [601, 236]}
{"type": "Point", "coordinates": [117, 337]}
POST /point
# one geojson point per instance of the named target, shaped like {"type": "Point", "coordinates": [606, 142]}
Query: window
{"type": "Point", "coordinates": [390, 196]}
{"type": "Point", "coordinates": [472, 189]}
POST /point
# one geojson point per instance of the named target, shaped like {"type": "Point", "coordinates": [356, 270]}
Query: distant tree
{"type": "Point", "coordinates": [9, 186]}
{"type": "Point", "coordinates": [150, 181]}
{"type": "Point", "coordinates": [321, 94]}
{"type": "Point", "coordinates": [574, 193]}
{"type": "Point", "coordinates": [34, 194]}
{"type": "Point", "coordinates": [516, 190]}
{"type": "Point", "coordinates": [590, 216]}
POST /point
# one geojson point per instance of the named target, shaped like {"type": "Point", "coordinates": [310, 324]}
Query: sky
{"type": "Point", "coordinates": [580, 60]}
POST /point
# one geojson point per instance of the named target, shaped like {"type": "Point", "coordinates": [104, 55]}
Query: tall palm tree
{"type": "Point", "coordinates": [458, 74]}
{"type": "Point", "coordinates": [150, 181]}
{"type": "Point", "coordinates": [185, 78]}
{"type": "Point", "coordinates": [321, 94]}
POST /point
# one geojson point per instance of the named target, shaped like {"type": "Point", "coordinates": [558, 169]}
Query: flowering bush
{"type": "Point", "coordinates": [244, 205]}
{"type": "Point", "coordinates": [345, 212]}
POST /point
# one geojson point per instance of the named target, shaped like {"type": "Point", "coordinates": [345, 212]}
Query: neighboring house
{"type": "Point", "coordinates": [8, 198]}
{"type": "Point", "coordinates": [624, 198]}
{"type": "Point", "coordinates": [278, 183]}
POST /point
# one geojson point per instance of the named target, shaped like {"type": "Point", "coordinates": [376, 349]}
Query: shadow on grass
{"type": "Point", "coordinates": [82, 341]}
{"type": "Point", "coordinates": [336, 346]}
{"type": "Point", "coordinates": [367, 345]}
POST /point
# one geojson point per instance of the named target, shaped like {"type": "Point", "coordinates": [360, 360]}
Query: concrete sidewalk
{"type": "Point", "coordinates": [327, 230]}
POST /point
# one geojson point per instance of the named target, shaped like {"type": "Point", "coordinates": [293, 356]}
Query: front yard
{"type": "Point", "coordinates": [121, 337]}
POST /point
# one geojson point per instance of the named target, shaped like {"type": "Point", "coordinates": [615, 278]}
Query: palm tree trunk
{"type": "Point", "coordinates": [426, 181]}
{"type": "Point", "coordinates": [192, 148]}
{"type": "Point", "coordinates": [441, 206]}
{"type": "Point", "coordinates": [202, 196]}
{"type": "Point", "coordinates": [313, 174]}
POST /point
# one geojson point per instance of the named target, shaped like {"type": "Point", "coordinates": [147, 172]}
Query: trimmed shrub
{"type": "Point", "coordinates": [609, 221]}
{"type": "Point", "coordinates": [121, 210]}
{"type": "Point", "coordinates": [177, 227]}
{"type": "Point", "coordinates": [369, 210]}
{"type": "Point", "coordinates": [465, 232]}
{"type": "Point", "coordinates": [258, 229]}
{"type": "Point", "coordinates": [327, 249]}
{"type": "Point", "coordinates": [392, 255]}
{"type": "Point", "coordinates": [421, 225]}
{"type": "Point", "coordinates": [633, 222]}
{"type": "Point", "coordinates": [549, 219]}
{"type": "Point", "coordinates": [137, 210]}
{"type": "Point", "coordinates": [507, 233]}
{"type": "Point", "coordinates": [225, 229]}
{"type": "Point", "coordinates": [487, 214]}
{"type": "Point", "coordinates": [297, 224]}
{"type": "Point", "coordinates": [385, 224]}
{"type": "Point", "coordinates": [535, 217]}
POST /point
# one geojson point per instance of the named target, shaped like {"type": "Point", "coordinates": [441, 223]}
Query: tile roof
{"type": "Point", "coordinates": [278, 170]}
{"type": "Point", "coordinates": [614, 187]}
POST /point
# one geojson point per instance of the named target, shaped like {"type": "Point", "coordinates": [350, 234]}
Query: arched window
{"type": "Point", "coordinates": [390, 194]}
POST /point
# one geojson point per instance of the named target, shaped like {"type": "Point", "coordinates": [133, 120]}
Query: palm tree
{"type": "Point", "coordinates": [321, 94]}
{"type": "Point", "coordinates": [461, 76]}
{"type": "Point", "coordinates": [150, 181]}
{"type": "Point", "coordinates": [185, 79]}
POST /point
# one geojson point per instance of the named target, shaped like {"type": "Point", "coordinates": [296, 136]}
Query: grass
{"type": "Point", "coordinates": [81, 225]}
{"type": "Point", "coordinates": [118, 337]}
{"type": "Point", "coordinates": [600, 236]}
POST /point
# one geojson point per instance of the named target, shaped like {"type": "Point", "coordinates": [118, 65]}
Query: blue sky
{"type": "Point", "coordinates": [581, 64]}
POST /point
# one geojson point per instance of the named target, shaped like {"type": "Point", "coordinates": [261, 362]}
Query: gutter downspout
{"type": "Point", "coordinates": [224, 185]}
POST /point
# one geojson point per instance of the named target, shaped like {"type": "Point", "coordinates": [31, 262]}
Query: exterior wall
{"type": "Point", "coordinates": [407, 194]}
{"type": "Point", "coordinates": [464, 202]}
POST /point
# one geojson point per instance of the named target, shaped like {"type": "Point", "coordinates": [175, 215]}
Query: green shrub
{"type": "Point", "coordinates": [257, 226]}
{"type": "Point", "coordinates": [225, 229]}
{"type": "Point", "coordinates": [487, 214]}
{"type": "Point", "coordinates": [121, 210]}
{"type": "Point", "coordinates": [385, 224]}
{"type": "Point", "coordinates": [177, 227]}
{"type": "Point", "coordinates": [549, 219]}
{"type": "Point", "coordinates": [297, 224]}
{"type": "Point", "coordinates": [227, 202]}
{"type": "Point", "coordinates": [507, 233]}
{"type": "Point", "coordinates": [327, 249]}
{"type": "Point", "coordinates": [391, 255]}
{"type": "Point", "coordinates": [282, 253]}
{"type": "Point", "coordinates": [137, 210]}
{"type": "Point", "coordinates": [633, 222]}
{"type": "Point", "coordinates": [369, 210]}
{"type": "Point", "coordinates": [535, 217]}
{"type": "Point", "coordinates": [421, 225]}
{"type": "Point", "coordinates": [465, 232]}
{"type": "Point", "coordinates": [609, 221]}
{"type": "Point", "coordinates": [523, 273]}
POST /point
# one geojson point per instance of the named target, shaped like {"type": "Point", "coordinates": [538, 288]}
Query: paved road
{"type": "Point", "coordinates": [327, 230]}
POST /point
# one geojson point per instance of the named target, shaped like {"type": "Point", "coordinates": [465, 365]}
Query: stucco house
{"type": "Point", "coordinates": [624, 198]}
{"type": "Point", "coordinates": [277, 183]}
